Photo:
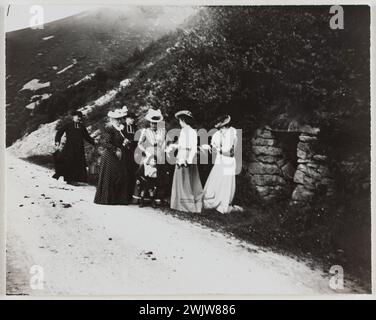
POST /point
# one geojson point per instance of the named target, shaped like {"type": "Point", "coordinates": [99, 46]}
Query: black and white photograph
{"type": "Point", "coordinates": [187, 150]}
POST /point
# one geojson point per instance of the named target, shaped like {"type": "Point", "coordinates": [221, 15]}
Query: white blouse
{"type": "Point", "coordinates": [150, 139]}
{"type": "Point", "coordinates": [187, 145]}
{"type": "Point", "coordinates": [224, 139]}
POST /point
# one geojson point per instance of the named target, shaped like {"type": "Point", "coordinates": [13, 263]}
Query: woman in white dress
{"type": "Point", "coordinates": [152, 139]}
{"type": "Point", "coordinates": [219, 189]}
{"type": "Point", "coordinates": [186, 192]}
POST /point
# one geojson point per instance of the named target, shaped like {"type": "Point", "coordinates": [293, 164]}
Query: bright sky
{"type": "Point", "coordinates": [19, 16]}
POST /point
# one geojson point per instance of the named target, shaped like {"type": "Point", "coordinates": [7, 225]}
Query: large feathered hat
{"type": "Point", "coordinates": [117, 113]}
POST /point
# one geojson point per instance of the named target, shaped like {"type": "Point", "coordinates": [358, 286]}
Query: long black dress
{"type": "Point", "coordinates": [130, 163]}
{"type": "Point", "coordinates": [70, 162]}
{"type": "Point", "coordinates": [113, 183]}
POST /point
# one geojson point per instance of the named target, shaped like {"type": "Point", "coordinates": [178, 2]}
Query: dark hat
{"type": "Point", "coordinates": [131, 115]}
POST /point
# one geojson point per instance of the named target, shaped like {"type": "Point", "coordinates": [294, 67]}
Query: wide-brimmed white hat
{"type": "Point", "coordinates": [222, 121]}
{"type": "Point", "coordinates": [183, 112]}
{"type": "Point", "coordinates": [124, 109]}
{"type": "Point", "coordinates": [117, 113]}
{"type": "Point", "coordinates": [154, 115]}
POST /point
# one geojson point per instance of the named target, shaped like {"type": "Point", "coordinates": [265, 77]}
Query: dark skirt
{"type": "Point", "coordinates": [71, 163]}
{"type": "Point", "coordinates": [60, 164]}
{"type": "Point", "coordinates": [112, 184]}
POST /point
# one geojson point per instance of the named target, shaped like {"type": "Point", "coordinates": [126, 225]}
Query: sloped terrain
{"type": "Point", "coordinates": [263, 65]}
{"type": "Point", "coordinates": [46, 61]}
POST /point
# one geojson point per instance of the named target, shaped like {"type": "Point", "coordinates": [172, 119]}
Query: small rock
{"type": "Point", "coordinates": [303, 155]}
{"type": "Point", "coordinates": [319, 157]}
{"type": "Point", "coordinates": [309, 130]}
{"type": "Point", "coordinates": [110, 239]}
{"type": "Point", "coordinates": [265, 150]}
{"type": "Point", "coordinates": [264, 142]}
{"type": "Point", "coordinates": [264, 133]}
{"type": "Point", "coordinates": [302, 194]}
{"type": "Point", "coordinates": [306, 147]}
{"type": "Point", "coordinates": [267, 180]}
{"type": "Point", "coordinates": [263, 168]}
{"type": "Point", "coordinates": [306, 138]}
{"type": "Point", "coordinates": [21, 205]}
{"type": "Point", "coordinates": [267, 159]}
{"type": "Point", "coordinates": [263, 190]}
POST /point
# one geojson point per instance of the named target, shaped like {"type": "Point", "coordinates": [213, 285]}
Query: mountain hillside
{"type": "Point", "coordinates": [278, 67]}
{"type": "Point", "coordinates": [66, 52]}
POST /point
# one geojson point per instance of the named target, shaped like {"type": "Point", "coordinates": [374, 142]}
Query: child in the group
{"type": "Point", "coordinates": [146, 182]}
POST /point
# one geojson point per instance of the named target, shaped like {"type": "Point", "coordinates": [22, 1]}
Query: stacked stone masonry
{"type": "Point", "coordinates": [275, 176]}
{"type": "Point", "coordinates": [270, 170]}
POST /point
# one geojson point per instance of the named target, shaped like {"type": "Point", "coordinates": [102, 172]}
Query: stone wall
{"type": "Point", "coordinates": [275, 175]}
{"type": "Point", "coordinates": [270, 170]}
{"type": "Point", "coordinates": [312, 175]}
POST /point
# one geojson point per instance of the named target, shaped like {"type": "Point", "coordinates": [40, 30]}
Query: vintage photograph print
{"type": "Point", "coordinates": [187, 150]}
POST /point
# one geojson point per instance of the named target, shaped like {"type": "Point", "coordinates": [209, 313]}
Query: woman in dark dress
{"type": "Point", "coordinates": [113, 188]}
{"type": "Point", "coordinates": [70, 162]}
{"type": "Point", "coordinates": [130, 147]}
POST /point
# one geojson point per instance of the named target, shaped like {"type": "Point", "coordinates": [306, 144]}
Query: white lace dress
{"type": "Point", "coordinates": [219, 189]}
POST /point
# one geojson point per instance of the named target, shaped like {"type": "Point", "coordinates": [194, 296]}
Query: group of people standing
{"type": "Point", "coordinates": [136, 166]}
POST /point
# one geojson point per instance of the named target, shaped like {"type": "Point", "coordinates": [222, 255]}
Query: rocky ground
{"type": "Point", "coordinates": [88, 249]}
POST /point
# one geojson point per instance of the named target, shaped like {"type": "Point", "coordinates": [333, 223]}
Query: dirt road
{"type": "Point", "coordinates": [88, 249]}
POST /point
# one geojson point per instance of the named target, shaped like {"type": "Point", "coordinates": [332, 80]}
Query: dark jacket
{"type": "Point", "coordinates": [72, 162]}
{"type": "Point", "coordinates": [116, 176]}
